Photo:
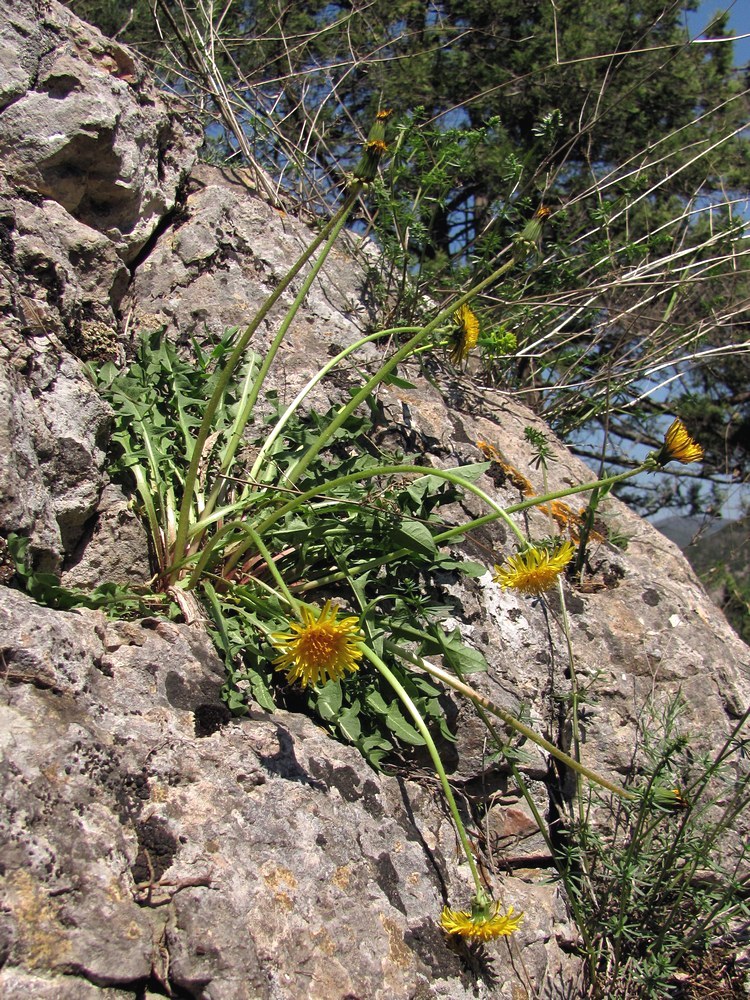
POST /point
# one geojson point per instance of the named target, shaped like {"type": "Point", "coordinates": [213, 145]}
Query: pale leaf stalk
{"type": "Point", "coordinates": [184, 517]}
{"type": "Point", "coordinates": [246, 410]}
{"type": "Point", "coordinates": [510, 720]}
{"type": "Point", "coordinates": [401, 355]}
{"type": "Point", "coordinates": [307, 389]}
{"type": "Point", "coordinates": [450, 534]}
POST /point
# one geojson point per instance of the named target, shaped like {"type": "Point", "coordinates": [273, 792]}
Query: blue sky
{"type": "Point", "coordinates": [739, 23]}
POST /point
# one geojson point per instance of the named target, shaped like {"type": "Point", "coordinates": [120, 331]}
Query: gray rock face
{"type": "Point", "coordinates": [53, 432]}
{"type": "Point", "coordinates": [227, 253]}
{"type": "Point", "coordinates": [148, 838]}
{"type": "Point", "coordinates": [150, 844]}
{"type": "Point", "coordinates": [80, 125]}
{"type": "Point", "coordinates": [90, 162]}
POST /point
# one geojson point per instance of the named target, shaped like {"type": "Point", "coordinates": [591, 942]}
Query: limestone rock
{"type": "Point", "coordinates": [53, 432]}
{"type": "Point", "coordinates": [82, 126]}
{"type": "Point", "coordinates": [113, 549]}
{"type": "Point", "coordinates": [147, 838]}
{"type": "Point", "coordinates": [227, 252]}
{"type": "Point", "coordinates": [91, 160]}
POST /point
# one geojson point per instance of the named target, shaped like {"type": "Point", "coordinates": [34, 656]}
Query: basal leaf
{"type": "Point", "coordinates": [401, 728]}
{"type": "Point", "coordinates": [349, 723]}
{"type": "Point", "coordinates": [329, 700]}
{"type": "Point", "coordinates": [416, 536]}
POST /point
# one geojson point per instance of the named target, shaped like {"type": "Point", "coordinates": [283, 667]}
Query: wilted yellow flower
{"type": "Point", "coordinates": [530, 237]}
{"type": "Point", "coordinates": [535, 569]}
{"type": "Point", "coordinates": [668, 799]}
{"type": "Point", "coordinates": [466, 335]}
{"type": "Point", "coordinates": [319, 649]}
{"type": "Point", "coordinates": [374, 149]}
{"type": "Point", "coordinates": [679, 446]}
{"type": "Point", "coordinates": [483, 923]}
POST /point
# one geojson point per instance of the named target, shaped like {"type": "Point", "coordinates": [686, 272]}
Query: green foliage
{"type": "Point", "coordinates": [633, 138]}
{"type": "Point", "coordinates": [378, 540]}
{"type": "Point", "coordinates": [158, 404]}
{"type": "Point", "coordinates": [666, 879]}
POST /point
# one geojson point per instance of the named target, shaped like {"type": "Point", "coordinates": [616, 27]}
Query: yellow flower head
{"type": "Point", "coordinates": [466, 336]}
{"type": "Point", "coordinates": [667, 799]}
{"type": "Point", "coordinates": [483, 923]}
{"type": "Point", "coordinates": [320, 649]}
{"type": "Point", "coordinates": [535, 569]}
{"type": "Point", "coordinates": [679, 446]}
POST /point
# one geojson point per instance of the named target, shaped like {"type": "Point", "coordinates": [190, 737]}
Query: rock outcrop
{"type": "Point", "coordinates": [151, 844]}
{"type": "Point", "coordinates": [91, 160]}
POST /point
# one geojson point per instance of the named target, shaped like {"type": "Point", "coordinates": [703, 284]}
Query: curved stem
{"type": "Point", "coordinates": [424, 732]}
{"type": "Point", "coordinates": [389, 470]}
{"type": "Point", "coordinates": [256, 540]}
{"type": "Point", "coordinates": [367, 389]}
{"type": "Point", "coordinates": [244, 415]}
{"type": "Point", "coordinates": [463, 529]}
{"type": "Point", "coordinates": [305, 391]}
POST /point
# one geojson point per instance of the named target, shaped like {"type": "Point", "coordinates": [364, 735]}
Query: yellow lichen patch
{"type": "Point", "coordinates": [279, 877]}
{"type": "Point", "coordinates": [342, 876]}
{"type": "Point", "coordinates": [158, 792]}
{"type": "Point", "coordinates": [398, 952]}
{"type": "Point", "coordinates": [283, 901]}
{"type": "Point", "coordinates": [42, 940]}
{"type": "Point", "coordinates": [114, 892]}
{"type": "Point", "coordinates": [324, 943]}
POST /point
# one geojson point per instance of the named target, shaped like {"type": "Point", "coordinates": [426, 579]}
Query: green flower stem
{"type": "Point", "coordinates": [273, 569]}
{"type": "Point", "coordinates": [462, 529]}
{"type": "Point", "coordinates": [303, 498]}
{"type": "Point", "coordinates": [516, 508]}
{"type": "Point", "coordinates": [574, 699]}
{"type": "Point", "coordinates": [479, 700]}
{"type": "Point", "coordinates": [369, 387]}
{"type": "Point", "coordinates": [519, 779]}
{"type": "Point", "coordinates": [246, 410]}
{"type": "Point", "coordinates": [413, 711]}
{"type": "Point", "coordinates": [345, 412]}
{"type": "Point", "coordinates": [388, 470]}
{"type": "Point", "coordinates": [191, 477]}
{"type": "Point", "coordinates": [571, 490]}
{"type": "Point", "coordinates": [304, 392]}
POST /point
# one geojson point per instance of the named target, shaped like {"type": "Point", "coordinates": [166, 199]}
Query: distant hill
{"type": "Point", "coordinates": [683, 530]}
{"type": "Point", "coordinates": [730, 546]}
{"type": "Point", "coordinates": [719, 552]}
